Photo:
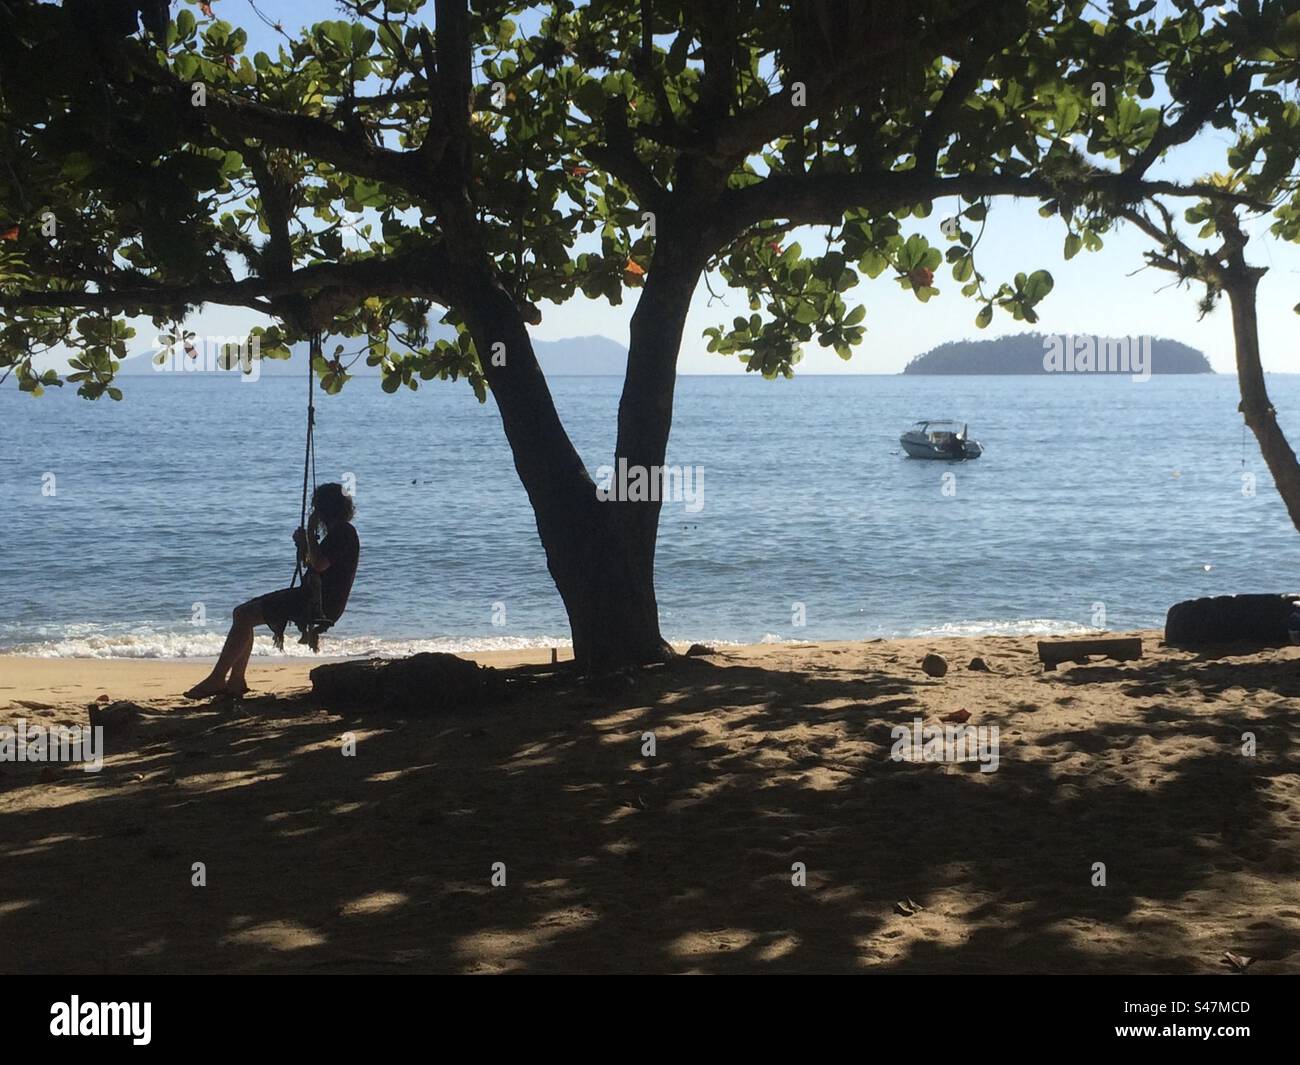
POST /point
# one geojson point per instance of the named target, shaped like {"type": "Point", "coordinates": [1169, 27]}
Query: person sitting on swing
{"type": "Point", "coordinates": [315, 604]}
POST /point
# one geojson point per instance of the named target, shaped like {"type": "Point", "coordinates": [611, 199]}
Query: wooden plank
{"type": "Point", "coordinates": [1053, 653]}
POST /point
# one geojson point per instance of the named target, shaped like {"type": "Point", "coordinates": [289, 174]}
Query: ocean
{"type": "Point", "coordinates": [135, 527]}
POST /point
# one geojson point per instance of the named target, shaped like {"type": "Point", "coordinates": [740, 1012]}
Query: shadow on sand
{"type": "Point", "coordinates": [316, 861]}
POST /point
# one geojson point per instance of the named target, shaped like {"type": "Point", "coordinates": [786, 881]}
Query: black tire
{"type": "Point", "coordinates": [1257, 619]}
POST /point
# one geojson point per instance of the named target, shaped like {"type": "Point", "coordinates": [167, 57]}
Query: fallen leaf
{"type": "Point", "coordinates": [9, 234]}
{"type": "Point", "coordinates": [1237, 961]}
{"type": "Point", "coordinates": [959, 716]}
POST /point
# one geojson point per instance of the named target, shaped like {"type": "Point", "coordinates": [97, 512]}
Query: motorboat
{"type": "Point", "coordinates": [940, 440]}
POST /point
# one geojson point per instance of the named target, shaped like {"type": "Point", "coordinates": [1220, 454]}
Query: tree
{"type": "Point", "coordinates": [1225, 271]}
{"type": "Point", "coordinates": [619, 145]}
{"type": "Point", "coordinates": [1236, 70]}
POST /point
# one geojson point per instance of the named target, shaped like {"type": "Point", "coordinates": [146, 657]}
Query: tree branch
{"type": "Point", "coordinates": [235, 118]}
{"type": "Point", "coordinates": [732, 138]}
{"type": "Point", "coordinates": [822, 199]}
{"type": "Point", "coordinates": [618, 155]}
{"type": "Point", "coordinates": [1187, 125]}
{"type": "Point", "coordinates": [963, 82]}
{"type": "Point", "coordinates": [428, 273]}
{"type": "Point", "coordinates": [455, 84]}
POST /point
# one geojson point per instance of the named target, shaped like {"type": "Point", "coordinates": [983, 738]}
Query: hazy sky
{"type": "Point", "coordinates": [1106, 293]}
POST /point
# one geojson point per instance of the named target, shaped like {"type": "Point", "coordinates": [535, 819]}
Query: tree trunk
{"type": "Point", "coordinates": [599, 553]}
{"type": "Point", "coordinates": [645, 418]}
{"type": "Point", "coordinates": [1240, 283]}
{"type": "Point", "coordinates": [603, 566]}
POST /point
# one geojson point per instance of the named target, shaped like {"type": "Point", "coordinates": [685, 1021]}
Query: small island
{"type": "Point", "coordinates": [1038, 353]}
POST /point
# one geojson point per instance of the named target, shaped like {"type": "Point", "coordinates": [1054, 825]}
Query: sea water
{"type": "Point", "coordinates": [134, 528]}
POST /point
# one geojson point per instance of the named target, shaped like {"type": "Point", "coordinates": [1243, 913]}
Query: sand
{"type": "Point", "coordinates": [768, 759]}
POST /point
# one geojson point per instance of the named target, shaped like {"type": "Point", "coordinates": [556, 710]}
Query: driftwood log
{"type": "Point", "coordinates": [1122, 648]}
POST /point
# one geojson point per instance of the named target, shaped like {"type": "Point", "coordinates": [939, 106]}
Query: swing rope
{"type": "Point", "coordinates": [309, 455]}
{"type": "Point", "coordinates": [313, 620]}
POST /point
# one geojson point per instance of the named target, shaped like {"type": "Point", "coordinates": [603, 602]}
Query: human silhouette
{"type": "Point", "coordinates": [316, 603]}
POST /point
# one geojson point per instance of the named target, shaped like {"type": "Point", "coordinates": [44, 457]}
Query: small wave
{"type": "Point", "coordinates": [992, 627]}
{"type": "Point", "coordinates": [774, 637]}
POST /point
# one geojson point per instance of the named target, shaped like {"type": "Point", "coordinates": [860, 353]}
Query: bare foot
{"type": "Point", "coordinates": [236, 689]}
{"type": "Point", "coordinates": [206, 689]}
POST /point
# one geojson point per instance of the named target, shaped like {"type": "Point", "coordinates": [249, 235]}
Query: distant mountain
{"type": "Point", "coordinates": [593, 356]}
{"type": "Point", "coordinates": [596, 356]}
{"type": "Point", "coordinates": [1035, 353]}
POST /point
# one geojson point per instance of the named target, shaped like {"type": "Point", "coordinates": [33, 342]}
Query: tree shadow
{"type": "Point", "coordinates": [684, 860]}
{"type": "Point", "coordinates": [1210, 675]}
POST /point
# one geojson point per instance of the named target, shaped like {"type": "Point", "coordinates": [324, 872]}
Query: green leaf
{"type": "Point", "coordinates": [1037, 286]}
{"type": "Point", "coordinates": [363, 39]}
{"type": "Point", "coordinates": [872, 264]}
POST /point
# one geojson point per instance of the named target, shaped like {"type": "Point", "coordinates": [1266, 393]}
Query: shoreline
{"type": "Point", "coordinates": [152, 679]}
{"type": "Point", "coordinates": [361, 647]}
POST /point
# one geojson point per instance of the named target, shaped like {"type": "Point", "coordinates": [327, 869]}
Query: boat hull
{"type": "Point", "coordinates": [917, 449]}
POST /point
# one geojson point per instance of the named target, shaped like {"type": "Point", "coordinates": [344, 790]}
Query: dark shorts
{"type": "Point", "coordinates": [280, 608]}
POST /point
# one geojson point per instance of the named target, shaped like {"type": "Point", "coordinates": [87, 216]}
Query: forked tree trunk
{"type": "Point", "coordinates": [600, 553]}
{"type": "Point", "coordinates": [1240, 283]}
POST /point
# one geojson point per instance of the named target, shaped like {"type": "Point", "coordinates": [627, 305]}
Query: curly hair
{"type": "Point", "coordinates": [331, 503]}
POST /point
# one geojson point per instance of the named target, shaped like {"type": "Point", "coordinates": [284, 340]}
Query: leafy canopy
{"type": "Point", "coordinates": [342, 183]}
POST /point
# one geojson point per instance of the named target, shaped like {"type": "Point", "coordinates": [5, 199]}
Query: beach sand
{"type": "Point", "coordinates": [766, 756]}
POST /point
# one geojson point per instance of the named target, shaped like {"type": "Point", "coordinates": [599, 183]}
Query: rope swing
{"type": "Point", "coordinates": [309, 455]}
{"type": "Point", "coordinates": [313, 621]}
